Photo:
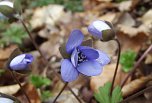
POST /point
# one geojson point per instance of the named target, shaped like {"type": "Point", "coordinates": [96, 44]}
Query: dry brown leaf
{"type": "Point", "coordinates": [108, 47]}
{"type": "Point", "coordinates": [125, 5]}
{"type": "Point", "coordinates": [106, 76]}
{"type": "Point", "coordinates": [133, 43]}
{"type": "Point", "coordinates": [126, 19]}
{"type": "Point", "coordinates": [5, 52]}
{"type": "Point", "coordinates": [148, 94]}
{"type": "Point", "coordinates": [148, 59]}
{"type": "Point", "coordinates": [135, 85]}
{"type": "Point", "coordinates": [51, 47]}
{"type": "Point", "coordinates": [111, 17]}
{"type": "Point", "coordinates": [10, 89]}
{"type": "Point", "coordinates": [104, 0]}
{"type": "Point", "coordinates": [146, 18]}
{"type": "Point", "coordinates": [47, 15]}
{"type": "Point", "coordinates": [132, 31]}
{"type": "Point", "coordinates": [31, 92]}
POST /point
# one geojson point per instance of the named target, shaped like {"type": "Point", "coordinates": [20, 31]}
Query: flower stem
{"type": "Point", "coordinates": [116, 69]}
{"type": "Point", "coordinates": [33, 41]}
{"type": "Point", "coordinates": [65, 85]}
{"type": "Point", "coordinates": [136, 65]}
{"type": "Point", "coordinates": [74, 94]}
{"type": "Point", "coordinates": [136, 95]}
{"type": "Point", "coordinates": [18, 82]}
{"type": "Point", "coordinates": [45, 61]}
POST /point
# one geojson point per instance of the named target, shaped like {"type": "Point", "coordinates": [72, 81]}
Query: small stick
{"type": "Point", "coordinates": [18, 82]}
{"type": "Point", "coordinates": [65, 85]}
{"type": "Point", "coordinates": [116, 69]}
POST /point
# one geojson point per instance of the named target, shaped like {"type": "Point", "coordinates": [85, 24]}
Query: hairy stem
{"type": "Point", "coordinates": [65, 85]}
{"type": "Point", "coordinates": [116, 69]}
{"type": "Point", "coordinates": [44, 59]}
{"type": "Point", "coordinates": [136, 65]}
{"type": "Point", "coordinates": [18, 82]}
{"type": "Point", "coordinates": [136, 95]}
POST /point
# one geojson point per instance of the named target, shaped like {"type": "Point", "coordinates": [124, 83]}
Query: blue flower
{"type": "Point", "coordinates": [83, 59]}
{"type": "Point", "coordinates": [97, 27]}
{"type": "Point", "coordinates": [6, 100]}
{"type": "Point", "coordinates": [21, 62]}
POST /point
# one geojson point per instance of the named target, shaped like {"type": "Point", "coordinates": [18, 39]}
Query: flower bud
{"type": "Point", "coordinates": [102, 30]}
{"type": "Point", "coordinates": [21, 62]}
{"type": "Point", "coordinates": [6, 8]}
{"type": "Point", "coordinates": [8, 99]}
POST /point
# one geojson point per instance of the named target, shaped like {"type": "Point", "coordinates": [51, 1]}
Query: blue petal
{"type": "Point", "coordinates": [74, 57]}
{"type": "Point", "coordinates": [68, 72]}
{"type": "Point", "coordinates": [96, 28]}
{"type": "Point", "coordinates": [75, 39]}
{"type": "Point", "coordinates": [90, 68]}
{"type": "Point", "coordinates": [89, 52]}
{"type": "Point", "coordinates": [21, 62]}
{"type": "Point", "coordinates": [92, 30]}
{"type": "Point", "coordinates": [103, 58]}
{"type": "Point", "coordinates": [6, 100]}
{"type": "Point", "coordinates": [28, 58]}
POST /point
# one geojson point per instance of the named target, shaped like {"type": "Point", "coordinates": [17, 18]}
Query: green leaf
{"type": "Point", "coordinates": [73, 5]}
{"type": "Point", "coordinates": [14, 34]}
{"type": "Point", "coordinates": [127, 60]}
{"type": "Point", "coordinates": [45, 95]}
{"type": "Point", "coordinates": [39, 81]}
{"type": "Point", "coordinates": [103, 96]}
{"type": "Point", "coordinates": [116, 95]}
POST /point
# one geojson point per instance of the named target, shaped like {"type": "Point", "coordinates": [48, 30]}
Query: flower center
{"type": "Point", "coordinates": [81, 57]}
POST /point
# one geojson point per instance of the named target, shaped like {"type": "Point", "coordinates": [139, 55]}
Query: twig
{"type": "Point", "coordinates": [137, 94]}
{"type": "Point", "coordinates": [18, 82]}
{"type": "Point", "coordinates": [116, 69]}
{"type": "Point", "coordinates": [65, 85]}
{"type": "Point", "coordinates": [136, 65]}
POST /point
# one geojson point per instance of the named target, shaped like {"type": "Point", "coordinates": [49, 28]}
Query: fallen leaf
{"type": "Point", "coordinates": [132, 31]}
{"type": "Point", "coordinates": [47, 15]}
{"type": "Point", "coordinates": [6, 52]}
{"type": "Point", "coordinates": [125, 5]}
{"type": "Point", "coordinates": [126, 19]}
{"type": "Point", "coordinates": [135, 85]}
{"type": "Point", "coordinates": [10, 89]}
{"type": "Point", "coordinates": [146, 18]}
{"type": "Point", "coordinates": [111, 17]}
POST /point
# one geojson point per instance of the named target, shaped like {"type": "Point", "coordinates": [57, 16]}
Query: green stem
{"type": "Point", "coordinates": [116, 69]}
{"type": "Point", "coordinates": [18, 82]}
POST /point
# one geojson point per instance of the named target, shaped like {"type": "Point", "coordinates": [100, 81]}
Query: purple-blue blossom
{"type": "Point", "coordinates": [83, 60]}
{"type": "Point", "coordinates": [97, 27]}
{"type": "Point", "coordinates": [6, 100]}
{"type": "Point", "coordinates": [21, 62]}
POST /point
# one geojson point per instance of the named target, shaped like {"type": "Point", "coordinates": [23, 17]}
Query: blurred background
{"type": "Point", "coordinates": [51, 21]}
